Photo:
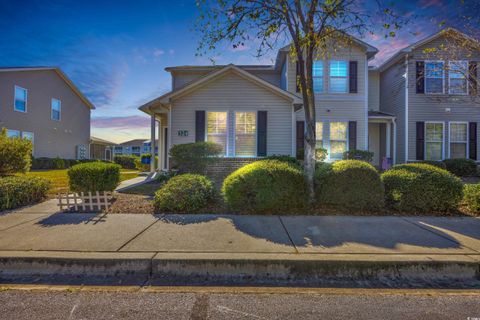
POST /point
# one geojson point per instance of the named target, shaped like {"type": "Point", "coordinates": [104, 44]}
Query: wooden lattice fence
{"type": "Point", "coordinates": [91, 201]}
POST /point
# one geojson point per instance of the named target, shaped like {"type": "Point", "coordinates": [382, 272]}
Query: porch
{"type": "Point", "coordinates": [382, 137]}
{"type": "Point", "coordinates": [159, 125]}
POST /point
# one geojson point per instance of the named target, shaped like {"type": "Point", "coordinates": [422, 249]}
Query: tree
{"type": "Point", "coordinates": [310, 27]}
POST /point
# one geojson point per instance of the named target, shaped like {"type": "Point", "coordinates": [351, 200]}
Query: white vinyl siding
{"type": "Point", "coordinates": [317, 75]}
{"type": "Point", "coordinates": [56, 109]}
{"type": "Point", "coordinates": [20, 100]}
{"type": "Point", "coordinates": [245, 134]}
{"type": "Point", "coordinates": [434, 140]}
{"type": "Point", "coordinates": [458, 139]}
{"type": "Point", "coordinates": [217, 128]}
{"type": "Point", "coordinates": [458, 77]}
{"type": "Point", "coordinates": [338, 76]}
{"type": "Point", "coordinates": [434, 77]}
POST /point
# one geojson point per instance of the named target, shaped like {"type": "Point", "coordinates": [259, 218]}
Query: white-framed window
{"type": "Point", "coordinates": [245, 134]}
{"type": "Point", "coordinates": [319, 135]}
{"type": "Point", "coordinates": [458, 139]}
{"type": "Point", "coordinates": [338, 76]}
{"type": "Point", "coordinates": [217, 128]}
{"type": "Point", "coordinates": [20, 101]}
{"type": "Point", "coordinates": [317, 75]}
{"type": "Point", "coordinates": [458, 77]}
{"type": "Point", "coordinates": [56, 109]}
{"type": "Point", "coordinates": [13, 133]}
{"type": "Point", "coordinates": [434, 77]}
{"type": "Point", "coordinates": [118, 150]}
{"type": "Point", "coordinates": [338, 139]}
{"type": "Point", "coordinates": [434, 140]}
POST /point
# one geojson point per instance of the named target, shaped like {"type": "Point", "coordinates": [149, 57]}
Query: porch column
{"type": "Point", "coordinates": [160, 150]}
{"type": "Point", "coordinates": [394, 141]}
{"type": "Point", "coordinates": [388, 137]}
{"type": "Point", "coordinates": [152, 143]}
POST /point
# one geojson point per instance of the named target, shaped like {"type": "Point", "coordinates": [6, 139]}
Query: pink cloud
{"type": "Point", "coordinates": [126, 122]}
{"type": "Point", "coordinates": [430, 3]}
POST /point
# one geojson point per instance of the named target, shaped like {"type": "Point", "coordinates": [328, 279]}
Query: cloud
{"type": "Point", "coordinates": [430, 3]}
{"type": "Point", "coordinates": [126, 122]}
{"type": "Point", "coordinates": [158, 52]}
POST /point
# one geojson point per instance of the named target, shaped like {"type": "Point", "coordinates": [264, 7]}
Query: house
{"type": "Point", "coordinates": [131, 147]}
{"type": "Point", "coordinates": [256, 110]}
{"type": "Point", "coordinates": [101, 149]}
{"type": "Point", "coordinates": [42, 104]}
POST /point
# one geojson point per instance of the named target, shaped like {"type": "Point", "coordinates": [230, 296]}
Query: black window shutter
{"type": "Point", "coordinates": [300, 139]}
{"type": "Point", "coordinates": [352, 135]}
{"type": "Point", "coordinates": [472, 78]}
{"type": "Point", "coordinates": [420, 74]}
{"type": "Point", "coordinates": [472, 143]}
{"type": "Point", "coordinates": [297, 74]}
{"type": "Point", "coordinates": [199, 125]}
{"type": "Point", "coordinates": [262, 134]}
{"type": "Point", "coordinates": [420, 140]}
{"type": "Point", "coordinates": [353, 75]}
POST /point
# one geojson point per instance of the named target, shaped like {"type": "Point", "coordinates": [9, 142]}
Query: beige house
{"type": "Point", "coordinates": [101, 149]}
{"type": "Point", "coordinates": [42, 104]}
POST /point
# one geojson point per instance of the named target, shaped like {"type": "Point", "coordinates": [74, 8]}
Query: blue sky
{"type": "Point", "coordinates": [116, 51]}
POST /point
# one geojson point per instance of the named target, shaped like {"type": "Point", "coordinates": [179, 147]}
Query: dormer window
{"type": "Point", "coordinates": [317, 76]}
{"type": "Point", "coordinates": [434, 75]}
{"type": "Point", "coordinates": [457, 77]}
{"type": "Point", "coordinates": [338, 76]}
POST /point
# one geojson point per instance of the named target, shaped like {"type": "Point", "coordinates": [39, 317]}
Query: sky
{"type": "Point", "coordinates": [116, 51]}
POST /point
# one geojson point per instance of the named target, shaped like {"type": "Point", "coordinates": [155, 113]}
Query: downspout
{"type": "Point", "coordinates": [394, 141]}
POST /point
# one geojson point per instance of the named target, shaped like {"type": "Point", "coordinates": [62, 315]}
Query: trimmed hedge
{"type": "Point", "coordinates": [352, 184]}
{"type": "Point", "coordinates": [471, 197]}
{"type": "Point", "coordinates": [185, 193]}
{"type": "Point", "coordinates": [461, 167]}
{"type": "Point", "coordinates": [94, 176]}
{"type": "Point", "coordinates": [284, 158]}
{"type": "Point", "coordinates": [15, 154]}
{"type": "Point", "coordinates": [53, 163]}
{"type": "Point", "coordinates": [420, 187]}
{"type": "Point", "coordinates": [438, 164]}
{"type": "Point", "coordinates": [16, 191]}
{"type": "Point", "coordinates": [195, 157]}
{"type": "Point", "coordinates": [125, 161]}
{"type": "Point", "coordinates": [266, 186]}
{"type": "Point", "coordinates": [362, 155]}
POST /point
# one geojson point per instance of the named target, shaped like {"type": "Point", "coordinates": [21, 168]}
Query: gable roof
{"type": "Point", "coordinates": [166, 98]}
{"type": "Point", "coordinates": [133, 142]}
{"type": "Point", "coordinates": [100, 141]}
{"type": "Point", "coordinates": [60, 73]}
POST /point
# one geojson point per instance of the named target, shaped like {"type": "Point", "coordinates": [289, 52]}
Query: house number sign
{"type": "Point", "coordinates": [182, 133]}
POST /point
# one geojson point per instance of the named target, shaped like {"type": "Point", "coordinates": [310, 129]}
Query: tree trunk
{"type": "Point", "coordinates": [309, 159]}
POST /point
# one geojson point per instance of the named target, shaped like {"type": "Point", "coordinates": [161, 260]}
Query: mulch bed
{"type": "Point", "coordinates": [131, 203]}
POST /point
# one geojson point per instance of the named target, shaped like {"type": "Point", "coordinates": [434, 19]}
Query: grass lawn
{"type": "Point", "coordinates": [59, 178]}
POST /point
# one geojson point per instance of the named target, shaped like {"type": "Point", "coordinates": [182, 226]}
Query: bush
{"type": "Point", "coordinates": [16, 191]}
{"type": "Point", "coordinates": [420, 187]}
{"type": "Point", "coordinates": [438, 164]}
{"type": "Point", "coordinates": [140, 166]}
{"type": "Point", "coordinates": [195, 157]}
{"type": "Point", "coordinates": [284, 158]}
{"type": "Point", "coordinates": [471, 197]}
{"type": "Point", "coordinates": [461, 167]}
{"type": "Point", "coordinates": [125, 161]}
{"type": "Point", "coordinates": [185, 193]}
{"type": "Point", "coordinates": [352, 184]}
{"type": "Point", "coordinates": [44, 163]}
{"type": "Point", "coordinates": [94, 176]}
{"type": "Point", "coordinates": [15, 154]}
{"type": "Point", "coordinates": [267, 186]}
{"type": "Point", "coordinates": [362, 155]}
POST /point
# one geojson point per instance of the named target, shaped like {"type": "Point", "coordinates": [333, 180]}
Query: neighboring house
{"type": "Point", "coordinates": [131, 147]}
{"type": "Point", "coordinates": [256, 111]}
{"type": "Point", "coordinates": [101, 149]}
{"type": "Point", "coordinates": [42, 104]}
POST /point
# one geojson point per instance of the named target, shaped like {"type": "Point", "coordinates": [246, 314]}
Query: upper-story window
{"type": "Point", "coordinates": [217, 128]}
{"type": "Point", "coordinates": [317, 75]}
{"type": "Point", "coordinates": [20, 103]}
{"type": "Point", "coordinates": [338, 76]}
{"type": "Point", "coordinates": [434, 74]}
{"type": "Point", "coordinates": [56, 109]}
{"type": "Point", "coordinates": [245, 134]}
{"type": "Point", "coordinates": [457, 77]}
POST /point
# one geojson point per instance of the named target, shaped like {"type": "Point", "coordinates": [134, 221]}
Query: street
{"type": "Point", "coordinates": [235, 303]}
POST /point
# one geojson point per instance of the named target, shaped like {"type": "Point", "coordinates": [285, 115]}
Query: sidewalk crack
{"type": "Point", "coordinates": [137, 235]}
{"type": "Point", "coordinates": [288, 234]}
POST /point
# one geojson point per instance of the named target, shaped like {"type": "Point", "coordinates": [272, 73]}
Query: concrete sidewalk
{"type": "Point", "coordinates": [232, 246]}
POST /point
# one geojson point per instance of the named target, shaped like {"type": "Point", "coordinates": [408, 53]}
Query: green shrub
{"type": "Point", "coordinates": [352, 184]}
{"type": "Point", "coordinates": [16, 191]}
{"type": "Point", "coordinates": [461, 167]}
{"type": "Point", "coordinates": [438, 164]}
{"type": "Point", "coordinates": [267, 186]}
{"type": "Point", "coordinates": [44, 163]}
{"type": "Point", "coordinates": [94, 176]}
{"type": "Point", "coordinates": [420, 187]}
{"type": "Point", "coordinates": [185, 193]}
{"type": "Point", "coordinates": [284, 158]}
{"type": "Point", "coordinates": [300, 153]}
{"type": "Point", "coordinates": [471, 197]}
{"type": "Point", "coordinates": [125, 161]}
{"type": "Point", "coordinates": [15, 154]}
{"type": "Point", "coordinates": [362, 155]}
{"type": "Point", "coordinates": [321, 154]}
{"type": "Point", "coordinates": [195, 157]}
{"type": "Point", "coordinates": [139, 165]}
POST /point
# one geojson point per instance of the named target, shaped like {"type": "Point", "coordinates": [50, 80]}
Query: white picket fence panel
{"type": "Point", "coordinates": [96, 201]}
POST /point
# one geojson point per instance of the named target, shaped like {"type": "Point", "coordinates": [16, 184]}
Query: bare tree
{"type": "Point", "coordinates": [308, 26]}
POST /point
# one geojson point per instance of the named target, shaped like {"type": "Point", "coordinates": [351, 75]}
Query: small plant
{"type": "Point", "coordinates": [195, 157]}
{"type": "Point", "coordinates": [461, 167]}
{"type": "Point", "coordinates": [321, 154]}
{"type": "Point", "coordinates": [127, 162]}
{"type": "Point", "coordinates": [94, 176]}
{"type": "Point", "coordinates": [16, 191]}
{"type": "Point", "coordinates": [471, 197]}
{"type": "Point", "coordinates": [362, 155]}
{"type": "Point", "coordinates": [15, 154]}
{"type": "Point", "coordinates": [185, 193]}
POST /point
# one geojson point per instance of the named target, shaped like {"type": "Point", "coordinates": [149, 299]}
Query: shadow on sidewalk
{"type": "Point", "coordinates": [71, 218]}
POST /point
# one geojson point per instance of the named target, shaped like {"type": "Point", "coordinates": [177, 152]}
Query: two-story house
{"type": "Point", "coordinates": [42, 104]}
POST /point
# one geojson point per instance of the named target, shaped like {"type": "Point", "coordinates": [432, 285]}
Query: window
{"type": "Point", "coordinates": [20, 103]}
{"type": "Point", "coordinates": [317, 75]}
{"type": "Point", "coordinates": [338, 139]}
{"type": "Point", "coordinates": [13, 133]}
{"type": "Point", "coordinates": [338, 76]}
{"type": "Point", "coordinates": [434, 77]}
{"type": "Point", "coordinates": [245, 134]}
{"type": "Point", "coordinates": [136, 151]}
{"type": "Point", "coordinates": [27, 135]}
{"type": "Point", "coordinates": [457, 77]}
{"type": "Point", "coordinates": [319, 135]}
{"type": "Point", "coordinates": [118, 150]}
{"type": "Point", "coordinates": [458, 139]}
{"type": "Point", "coordinates": [434, 140]}
{"type": "Point", "coordinates": [56, 109]}
{"type": "Point", "coordinates": [217, 128]}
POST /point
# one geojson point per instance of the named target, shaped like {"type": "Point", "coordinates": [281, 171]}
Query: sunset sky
{"type": "Point", "coordinates": [116, 54]}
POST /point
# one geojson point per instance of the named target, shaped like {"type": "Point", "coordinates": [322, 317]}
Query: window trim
{"type": "Point", "coordinates": [15, 99]}
{"type": "Point", "coordinates": [347, 89]}
{"type": "Point", "coordinates": [443, 139]}
{"type": "Point", "coordinates": [466, 141]}
{"type": "Point", "coordinates": [234, 131]}
{"type": "Point", "coordinates": [59, 111]}
{"type": "Point", "coordinates": [466, 78]}
{"type": "Point", "coordinates": [227, 127]}
{"type": "Point", "coordinates": [443, 77]}
{"type": "Point", "coordinates": [319, 77]}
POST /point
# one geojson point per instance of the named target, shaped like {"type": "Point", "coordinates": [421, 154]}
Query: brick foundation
{"type": "Point", "coordinates": [224, 166]}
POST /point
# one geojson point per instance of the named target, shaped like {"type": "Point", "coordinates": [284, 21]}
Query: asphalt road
{"type": "Point", "coordinates": [195, 304]}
